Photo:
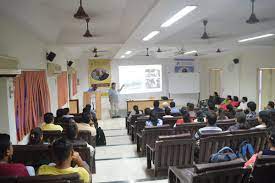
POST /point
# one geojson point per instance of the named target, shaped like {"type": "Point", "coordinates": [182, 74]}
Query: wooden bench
{"type": "Point", "coordinates": [37, 155]}
{"type": "Point", "coordinates": [264, 169]}
{"type": "Point", "coordinates": [225, 172]}
{"type": "Point", "coordinates": [50, 136]}
{"type": "Point", "coordinates": [132, 121]}
{"type": "Point", "coordinates": [149, 136]}
{"type": "Point", "coordinates": [174, 150]}
{"type": "Point", "coordinates": [212, 144]}
{"type": "Point", "coordinates": [72, 178]}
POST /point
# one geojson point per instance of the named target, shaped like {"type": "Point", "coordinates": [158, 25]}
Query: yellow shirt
{"type": "Point", "coordinates": [50, 127]}
{"type": "Point", "coordinates": [52, 170]}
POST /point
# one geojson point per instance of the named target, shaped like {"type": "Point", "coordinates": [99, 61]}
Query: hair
{"type": "Point", "coordinates": [86, 110]}
{"type": "Point", "coordinates": [113, 83]}
{"type": "Point", "coordinates": [265, 117]}
{"type": "Point", "coordinates": [216, 94]}
{"type": "Point", "coordinates": [172, 104]}
{"type": "Point", "coordinates": [236, 99]}
{"type": "Point", "coordinates": [66, 111]}
{"type": "Point", "coordinates": [135, 108]}
{"type": "Point", "coordinates": [211, 105]}
{"type": "Point", "coordinates": [200, 116]}
{"type": "Point", "coordinates": [229, 97]}
{"type": "Point", "coordinates": [153, 118]}
{"type": "Point", "coordinates": [156, 103]}
{"type": "Point", "coordinates": [185, 115]}
{"type": "Point", "coordinates": [191, 107]}
{"type": "Point", "coordinates": [167, 111]}
{"type": "Point", "coordinates": [252, 105]}
{"type": "Point", "coordinates": [88, 106]}
{"type": "Point", "coordinates": [241, 119]}
{"type": "Point", "coordinates": [245, 99]}
{"type": "Point", "coordinates": [86, 118]}
{"type": "Point", "coordinates": [4, 145]}
{"type": "Point", "coordinates": [36, 136]}
{"type": "Point", "coordinates": [147, 111]}
{"type": "Point", "coordinates": [72, 130]}
{"type": "Point", "coordinates": [62, 149]}
{"type": "Point", "coordinates": [211, 118]}
{"type": "Point", "coordinates": [48, 118]}
{"type": "Point", "coordinates": [271, 104]}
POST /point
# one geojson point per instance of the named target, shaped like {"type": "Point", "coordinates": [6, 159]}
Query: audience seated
{"type": "Point", "coordinates": [59, 116]}
{"type": "Point", "coordinates": [87, 123]}
{"type": "Point", "coordinates": [264, 120]}
{"type": "Point", "coordinates": [270, 105]}
{"type": "Point", "coordinates": [154, 120]}
{"type": "Point", "coordinates": [185, 117]}
{"type": "Point", "coordinates": [230, 112]}
{"type": "Point", "coordinates": [67, 113]}
{"type": "Point", "coordinates": [216, 99]}
{"type": "Point", "coordinates": [156, 108]}
{"type": "Point", "coordinates": [221, 115]}
{"type": "Point", "coordinates": [241, 123]}
{"type": "Point", "coordinates": [63, 153]}
{"type": "Point", "coordinates": [167, 113]}
{"type": "Point", "coordinates": [173, 107]}
{"type": "Point", "coordinates": [243, 104]}
{"type": "Point", "coordinates": [251, 111]}
{"type": "Point", "coordinates": [89, 108]}
{"type": "Point", "coordinates": [7, 168]}
{"type": "Point", "coordinates": [211, 127]}
{"type": "Point", "coordinates": [133, 112]}
{"type": "Point", "coordinates": [200, 117]}
{"type": "Point", "coordinates": [36, 137]}
{"type": "Point", "coordinates": [227, 101]}
{"type": "Point", "coordinates": [48, 125]}
{"type": "Point", "coordinates": [235, 103]}
{"type": "Point", "coordinates": [147, 112]}
{"type": "Point", "coordinates": [211, 106]}
{"type": "Point", "coordinates": [190, 109]}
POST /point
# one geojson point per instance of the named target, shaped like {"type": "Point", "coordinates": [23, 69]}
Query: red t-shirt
{"type": "Point", "coordinates": [13, 169]}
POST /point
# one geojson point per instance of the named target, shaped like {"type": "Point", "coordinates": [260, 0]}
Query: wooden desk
{"type": "Point", "coordinates": [144, 103]}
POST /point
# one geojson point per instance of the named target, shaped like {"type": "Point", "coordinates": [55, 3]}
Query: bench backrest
{"type": "Point", "coordinates": [171, 120]}
{"type": "Point", "coordinates": [72, 178]}
{"type": "Point", "coordinates": [191, 128]}
{"type": "Point", "coordinates": [50, 136]}
{"type": "Point", "coordinates": [264, 169]}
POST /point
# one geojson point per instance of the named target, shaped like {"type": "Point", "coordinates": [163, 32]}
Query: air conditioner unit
{"type": "Point", "coordinates": [7, 62]}
{"type": "Point", "coordinates": [53, 69]}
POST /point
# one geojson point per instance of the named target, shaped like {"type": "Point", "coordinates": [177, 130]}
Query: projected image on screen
{"type": "Point", "coordinates": [140, 78]}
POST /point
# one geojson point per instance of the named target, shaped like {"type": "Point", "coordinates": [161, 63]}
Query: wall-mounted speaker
{"type": "Point", "coordinates": [70, 63]}
{"type": "Point", "coordinates": [50, 56]}
{"type": "Point", "coordinates": [236, 61]}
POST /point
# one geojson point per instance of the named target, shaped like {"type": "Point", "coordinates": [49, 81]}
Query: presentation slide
{"type": "Point", "coordinates": [140, 78]}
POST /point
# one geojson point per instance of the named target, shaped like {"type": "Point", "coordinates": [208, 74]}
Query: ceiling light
{"type": "Point", "coordinates": [254, 38]}
{"type": "Point", "coordinates": [150, 36]}
{"type": "Point", "coordinates": [179, 15]}
{"type": "Point", "coordinates": [190, 52]}
{"type": "Point", "coordinates": [128, 52]}
{"type": "Point", "coordinates": [123, 56]}
{"type": "Point", "coordinates": [81, 14]}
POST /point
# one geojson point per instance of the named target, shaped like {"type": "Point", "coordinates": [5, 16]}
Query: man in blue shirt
{"type": "Point", "coordinates": [113, 99]}
{"type": "Point", "coordinates": [173, 108]}
{"type": "Point", "coordinates": [156, 107]}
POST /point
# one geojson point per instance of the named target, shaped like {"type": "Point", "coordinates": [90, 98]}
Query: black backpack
{"type": "Point", "coordinates": [100, 137]}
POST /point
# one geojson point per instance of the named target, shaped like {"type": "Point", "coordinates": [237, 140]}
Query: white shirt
{"type": "Point", "coordinates": [243, 106]}
{"type": "Point", "coordinates": [113, 94]}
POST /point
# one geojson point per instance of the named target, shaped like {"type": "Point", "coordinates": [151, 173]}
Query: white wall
{"type": "Point", "coordinates": [242, 79]}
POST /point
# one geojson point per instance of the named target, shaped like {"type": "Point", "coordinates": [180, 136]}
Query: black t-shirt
{"type": "Point", "coordinates": [268, 152]}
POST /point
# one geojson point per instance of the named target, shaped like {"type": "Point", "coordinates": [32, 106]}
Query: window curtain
{"type": "Point", "coordinates": [62, 89]}
{"type": "Point", "coordinates": [74, 83]}
{"type": "Point", "coordinates": [214, 81]}
{"type": "Point", "coordinates": [32, 100]}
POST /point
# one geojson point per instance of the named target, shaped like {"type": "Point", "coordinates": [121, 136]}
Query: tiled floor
{"type": "Point", "coordinates": [118, 162]}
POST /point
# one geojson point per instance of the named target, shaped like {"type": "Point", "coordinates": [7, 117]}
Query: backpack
{"type": "Point", "coordinates": [225, 154]}
{"type": "Point", "coordinates": [246, 151]}
{"type": "Point", "coordinates": [100, 137]}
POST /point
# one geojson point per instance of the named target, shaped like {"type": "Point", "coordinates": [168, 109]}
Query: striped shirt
{"type": "Point", "coordinates": [207, 130]}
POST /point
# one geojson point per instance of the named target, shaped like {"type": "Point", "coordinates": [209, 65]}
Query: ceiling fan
{"type": "Point", "coordinates": [147, 53]}
{"type": "Point", "coordinates": [159, 50]}
{"type": "Point", "coordinates": [95, 50]}
{"type": "Point", "coordinates": [205, 35]}
{"type": "Point", "coordinates": [252, 19]}
{"type": "Point", "coordinates": [87, 33]}
{"type": "Point", "coordinates": [81, 14]}
{"type": "Point", "coordinates": [180, 51]}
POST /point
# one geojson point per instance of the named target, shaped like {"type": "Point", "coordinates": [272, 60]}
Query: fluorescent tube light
{"type": "Point", "coordinates": [186, 10]}
{"type": "Point", "coordinates": [254, 38]}
{"type": "Point", "coordinates": [123, 56]}
{"type": "Point", "coordinates": [190, 52]}
{"type": "Point", "coordinates": [150, 36]}
{"type": "Point", "coordinates": [128, 52]}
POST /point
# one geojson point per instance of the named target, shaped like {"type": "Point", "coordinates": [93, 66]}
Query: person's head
{"type": "Point", "coordinates": [89, 107]}
{"type": "Point", "coordinates": [270, 105]}
{"type": "Point", "coordinates": [59, 113]}
{"type": "Point", "coordinates": [62, 150]}
{"type": "Point", "coordinates": [86, 118]}
{"type": "Point", "coordinates": [36, 136]}
{"type": "Point", "coordinates": [244, 99]}
{"type": "Point", "coordinates": [241, 117]}
{"type": "Point", "coordinates": [216, 94]}
{"type": "Point", "coordinates": [147, 111]}
{"type": "Point", "coordinates": [72, 130]}
{"type": "Point", "coordinates": [229, 97]}
{"type": "Point", "coordinates": [221, 112]}
{"type": "Point", "coordinates": [236, 99]}
{"type": "Point", "coordinates": [66, 111]}
{"type": "Point", "coordinates": [264, 117]}
{"type": "Point", "coordinates": [211, 105]}
{"type": "Point", "coordinates": [211, 118]}
{"type": "Point", "coordinates": [48, 118]}
{"type": "Point", "coordinates": [156, 104]}
{"type": "Point", "coordinates": [6, 150]}
{"type": "Point", "coordinates": [135, 108]}
{"type": "Point", "coordinates": [167, 111]}
{"type": "Point", "coordinates": [86, 110]}
{"type": "Point", "coordinates": [172, 104]}
{"type": "Point", "coordinates": [165, 105]}
{"type": "Point", "coordinates": [154, 118]}
{"type": "Point", "coordinates": [113, 86]}
{"type": "Point", "coordinates": [191, 107]}
{"type": "Point", "coordinates": [185, 115]}
{"type": "Point", "coordinates": [200, 116]}
{"type": "Point", "coordinates": [252, 106]}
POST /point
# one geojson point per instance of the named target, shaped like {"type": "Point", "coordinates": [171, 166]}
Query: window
{"type": "Point", "coordinates": [140, 78]}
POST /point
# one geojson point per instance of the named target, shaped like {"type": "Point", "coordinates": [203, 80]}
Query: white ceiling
{"type": "Point", "coordinates": [120, 25]}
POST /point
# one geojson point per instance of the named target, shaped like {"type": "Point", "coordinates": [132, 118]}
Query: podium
{"type": "Point", "coordinates": [93, 98]}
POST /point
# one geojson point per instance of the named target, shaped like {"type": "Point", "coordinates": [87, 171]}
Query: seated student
{"type": "Point", "coordinates": [227, 101]}
{"type": "Point", "coordinates": [167, 112]}
{"type": "Point", "coordinates": [165, 105]}
{"type": "Point", "coordinates": [235, 103]}
{"type": "Point", "coordinates": [147, 112]}
{"type": "Point", "coordinates": [200, 117]}
{"type": "Point", "coordinates": [154, 120]}
{"type": "Point", "coordinates": [241, 123]}
{"type": "Point", "coordinates": [64, 154]}
{"type": "Point", "coordinates": [89, 109]}
{"type": "Point", "coordinates": [211, 106]}
{"type": "Point", "coordinates": [173, 108]}
{"type": "Point", "coordinates": [48, 125]}
{"type": "Point", "coordinates": [133, 112]}
{"type": "Point", "coordinates": [72, 134]}
{"type": "Point", "coordinates": [36, 137]}
{"type": "Point", "coordinates": [243, 104]}
{"type": "Point", "coordinates": [251, 111]}
{"type": "Point", "coordinates": [87, 124]}
{"type": "Point", "coordinates": [190, 109]}
{"type": "Point", "coordinates": [156, 108]}
{"type": "Point", "coordinates": [270, 105]}
{"type": "Point", "coordinates": [221, 115]}
{"type": "Point", "coordinates": [6, 152]}
{"type": "Point", "coordinates": [59, 116]}
{"type": "Point", "coordinates": [216, 98]}
{"type": "Point", "coordinates": [264, 120]}
{"type": "Point", "coordinates": [211, 127]}
{"type": "Point", "coordinates": [185, 117]}
{"type": "Point", "coordinates": [230, 112]}
{"type": "Point", "coordinates": [67, 113]}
